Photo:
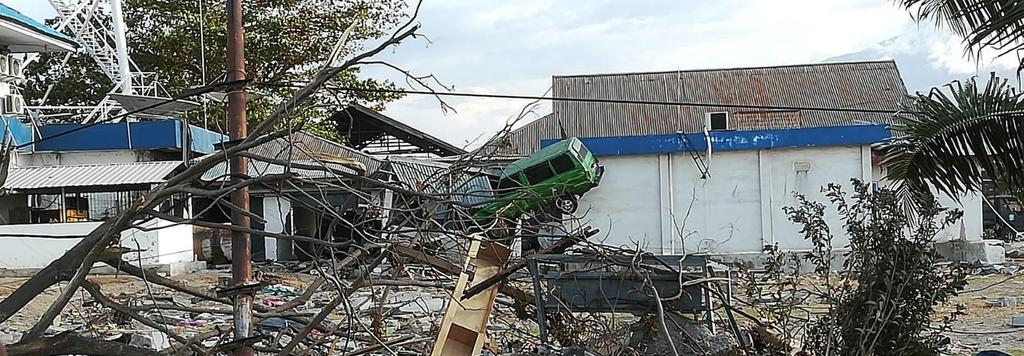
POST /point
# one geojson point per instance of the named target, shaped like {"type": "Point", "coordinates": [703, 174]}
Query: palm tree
{"type": "Point", "coordinates": [953, 136]}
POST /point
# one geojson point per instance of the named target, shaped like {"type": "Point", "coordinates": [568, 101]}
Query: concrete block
{"type": "Point", "coordinates": [1017, 321]}
{"type": "Point", "coordinates": [984, 251]}
{"type": "Point", "coordinates": [179, 268]}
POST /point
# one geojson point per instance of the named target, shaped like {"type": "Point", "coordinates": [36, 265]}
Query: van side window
{"type": "Point", "coordinates": [538, 173]}
{"type": "Point", "coordinates": [505, 185]}
{"type": "Point", "coordinates": [562, 164]}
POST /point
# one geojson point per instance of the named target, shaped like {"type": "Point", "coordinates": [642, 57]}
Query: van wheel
{"type": "Point", "coordinates": [567, 204]}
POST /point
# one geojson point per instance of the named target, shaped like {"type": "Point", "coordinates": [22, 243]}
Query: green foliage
{"type": "Point", "coordinates": [87, 87]}
{"type": "Point", "coordinates": [286, 41]}
{"type": "Point", "coordinates": [949, 139]}
{"type": "Point", "coordinates": [884, 298]}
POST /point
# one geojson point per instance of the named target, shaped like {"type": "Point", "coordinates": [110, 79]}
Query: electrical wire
{"type": "Point", "coordinates": [590, 100]}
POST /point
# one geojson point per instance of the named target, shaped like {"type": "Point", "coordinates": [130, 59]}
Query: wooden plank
{"type": "Point", "coordinates": [464, 327]}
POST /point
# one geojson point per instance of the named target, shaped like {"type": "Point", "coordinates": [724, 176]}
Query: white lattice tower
{"type": "Point", "coordinates": [98, 26]}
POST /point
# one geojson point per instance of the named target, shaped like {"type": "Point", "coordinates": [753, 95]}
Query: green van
{"type": "Point", "coordinates": [558, 173]}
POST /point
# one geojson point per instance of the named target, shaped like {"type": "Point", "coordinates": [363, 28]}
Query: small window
{"type": "Point", "coordinates": [717, 121]}
{"type": "Point", "coordinates": [562, 164]}
{"type": "Point", "coordinates": [538, 173]}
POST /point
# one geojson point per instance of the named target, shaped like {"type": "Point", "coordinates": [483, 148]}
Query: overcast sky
{"type": "Point", "coordinates": [514, 47]}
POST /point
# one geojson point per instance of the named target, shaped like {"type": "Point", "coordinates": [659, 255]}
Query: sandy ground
{"type": "Point", "coordinates": [988, 327]}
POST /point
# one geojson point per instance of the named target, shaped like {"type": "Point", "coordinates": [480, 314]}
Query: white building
{"type": "Point", "coordinates": [666, 191]}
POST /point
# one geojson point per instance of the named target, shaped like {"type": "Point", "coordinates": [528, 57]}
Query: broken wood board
{"type": "Point", "coordinates": [464, 328]}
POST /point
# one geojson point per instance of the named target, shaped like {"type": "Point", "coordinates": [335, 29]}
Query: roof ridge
{"type": "Point", "coordinates": [724, 69]}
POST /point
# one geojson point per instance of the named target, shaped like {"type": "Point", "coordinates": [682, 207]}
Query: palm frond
{"type": "Point", "coordinates": [950, 139]}
{"type": "Point", "coordinates": [996, 24]}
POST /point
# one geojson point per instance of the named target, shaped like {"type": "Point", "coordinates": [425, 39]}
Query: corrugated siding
{"type": "Point", "coordinates": [861, 85]}
{"type": "Point", "coordinates": [438, 178]}
{"type": "Point", "coordinates": [89, 175]}
{"type": "Point", "coordinates": [309, 149]}
{"type": "Point", "coordinates": [260, 168]}
{"type": "Point", "coordinates": [302, 148]}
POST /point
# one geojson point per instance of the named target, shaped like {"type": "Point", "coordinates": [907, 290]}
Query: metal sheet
{"type": "Point", "coordinates": [306, 149]}
{"type": "Point", "coordinates": [154, 106]}
{"type": "Point", "coordinates": [89, 175]}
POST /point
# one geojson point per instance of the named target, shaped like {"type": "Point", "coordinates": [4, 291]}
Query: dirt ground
{"type": "Point", "coordinates": [987, 326]}
{"type": "Point", "coordinates": [115, 286]}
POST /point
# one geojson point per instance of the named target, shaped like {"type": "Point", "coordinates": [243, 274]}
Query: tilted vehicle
{"type": "Point", "coordinates": [557, 176]}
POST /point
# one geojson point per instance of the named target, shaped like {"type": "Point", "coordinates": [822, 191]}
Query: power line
{"type": "Point", "coordinates": [592, 100]}
{"type": "Point", "coordinates": [184, 95]}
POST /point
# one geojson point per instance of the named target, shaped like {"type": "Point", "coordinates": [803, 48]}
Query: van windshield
{"type": "Point", "coordinates": [580, 150]}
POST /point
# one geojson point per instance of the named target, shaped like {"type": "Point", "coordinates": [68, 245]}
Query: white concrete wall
{"type": "Point", "coordinates": [82, 157]}
{"type": "Point", "coordinates": [24, 252]}
{"type": "Point", "coordinates": [661, 202]}
{"type": "Point", "coordinates": [277, 212]}
{"type": "Point", "coordinates": [972, 205]}
{"type": "Point", "coordinates": [170, 243]}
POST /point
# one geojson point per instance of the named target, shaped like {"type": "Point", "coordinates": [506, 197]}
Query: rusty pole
{"type": "Point", "coordinates": [241, 254]}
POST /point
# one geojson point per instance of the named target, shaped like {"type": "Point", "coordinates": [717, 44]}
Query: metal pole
{"type": "Point", "coordinates": [538, 300]}
{"type": "Point", "coordinates": [121, 46]}
{"type": "Point", "coordinates": [241, 253]}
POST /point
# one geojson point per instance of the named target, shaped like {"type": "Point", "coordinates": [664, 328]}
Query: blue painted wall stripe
{"type": "Point", "coordinates": [735, 140]}
{"type": "Point", "coordinates": [163, 134]}
{"type": "Point", "coordinates": [18, 130]}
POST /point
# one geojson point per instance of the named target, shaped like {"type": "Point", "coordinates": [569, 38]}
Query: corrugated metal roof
{"type": "Point", "coordinates": [874, 85]}
{"type": "Point", "coordinates": [89, 175]}
{"type": "Point", "coordinates": [260, 168]}
{"type": "Point", "coordinates": [439, 178]}
{"type": "Point", "coordinates": [303, 148]}
{"type": "Point", "coordinates": [310, 149]}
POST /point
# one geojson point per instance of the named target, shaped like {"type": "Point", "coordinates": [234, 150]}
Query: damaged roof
{"type": "Point", "coordinates": [871, 85]}
{"type": "Point", "coordinates": [306, 149]}
{"type": "Point", "coordinates": [363, 127]}
{"type": "Point", "coordinates": [465, 186]}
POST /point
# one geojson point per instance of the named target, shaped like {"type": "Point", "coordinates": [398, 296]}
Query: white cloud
{"type": "Point", "coordinates": [949, 55]}
{"type": "Point", "coordinates": [513, 47]}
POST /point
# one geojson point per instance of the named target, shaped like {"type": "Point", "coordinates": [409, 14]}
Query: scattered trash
{"type": "Point", "coordinates": [1005, 302]}
{"type": "Point", "coordinates": [191, 324]}
{"type": "Point", "coordinates": [280, 290]}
